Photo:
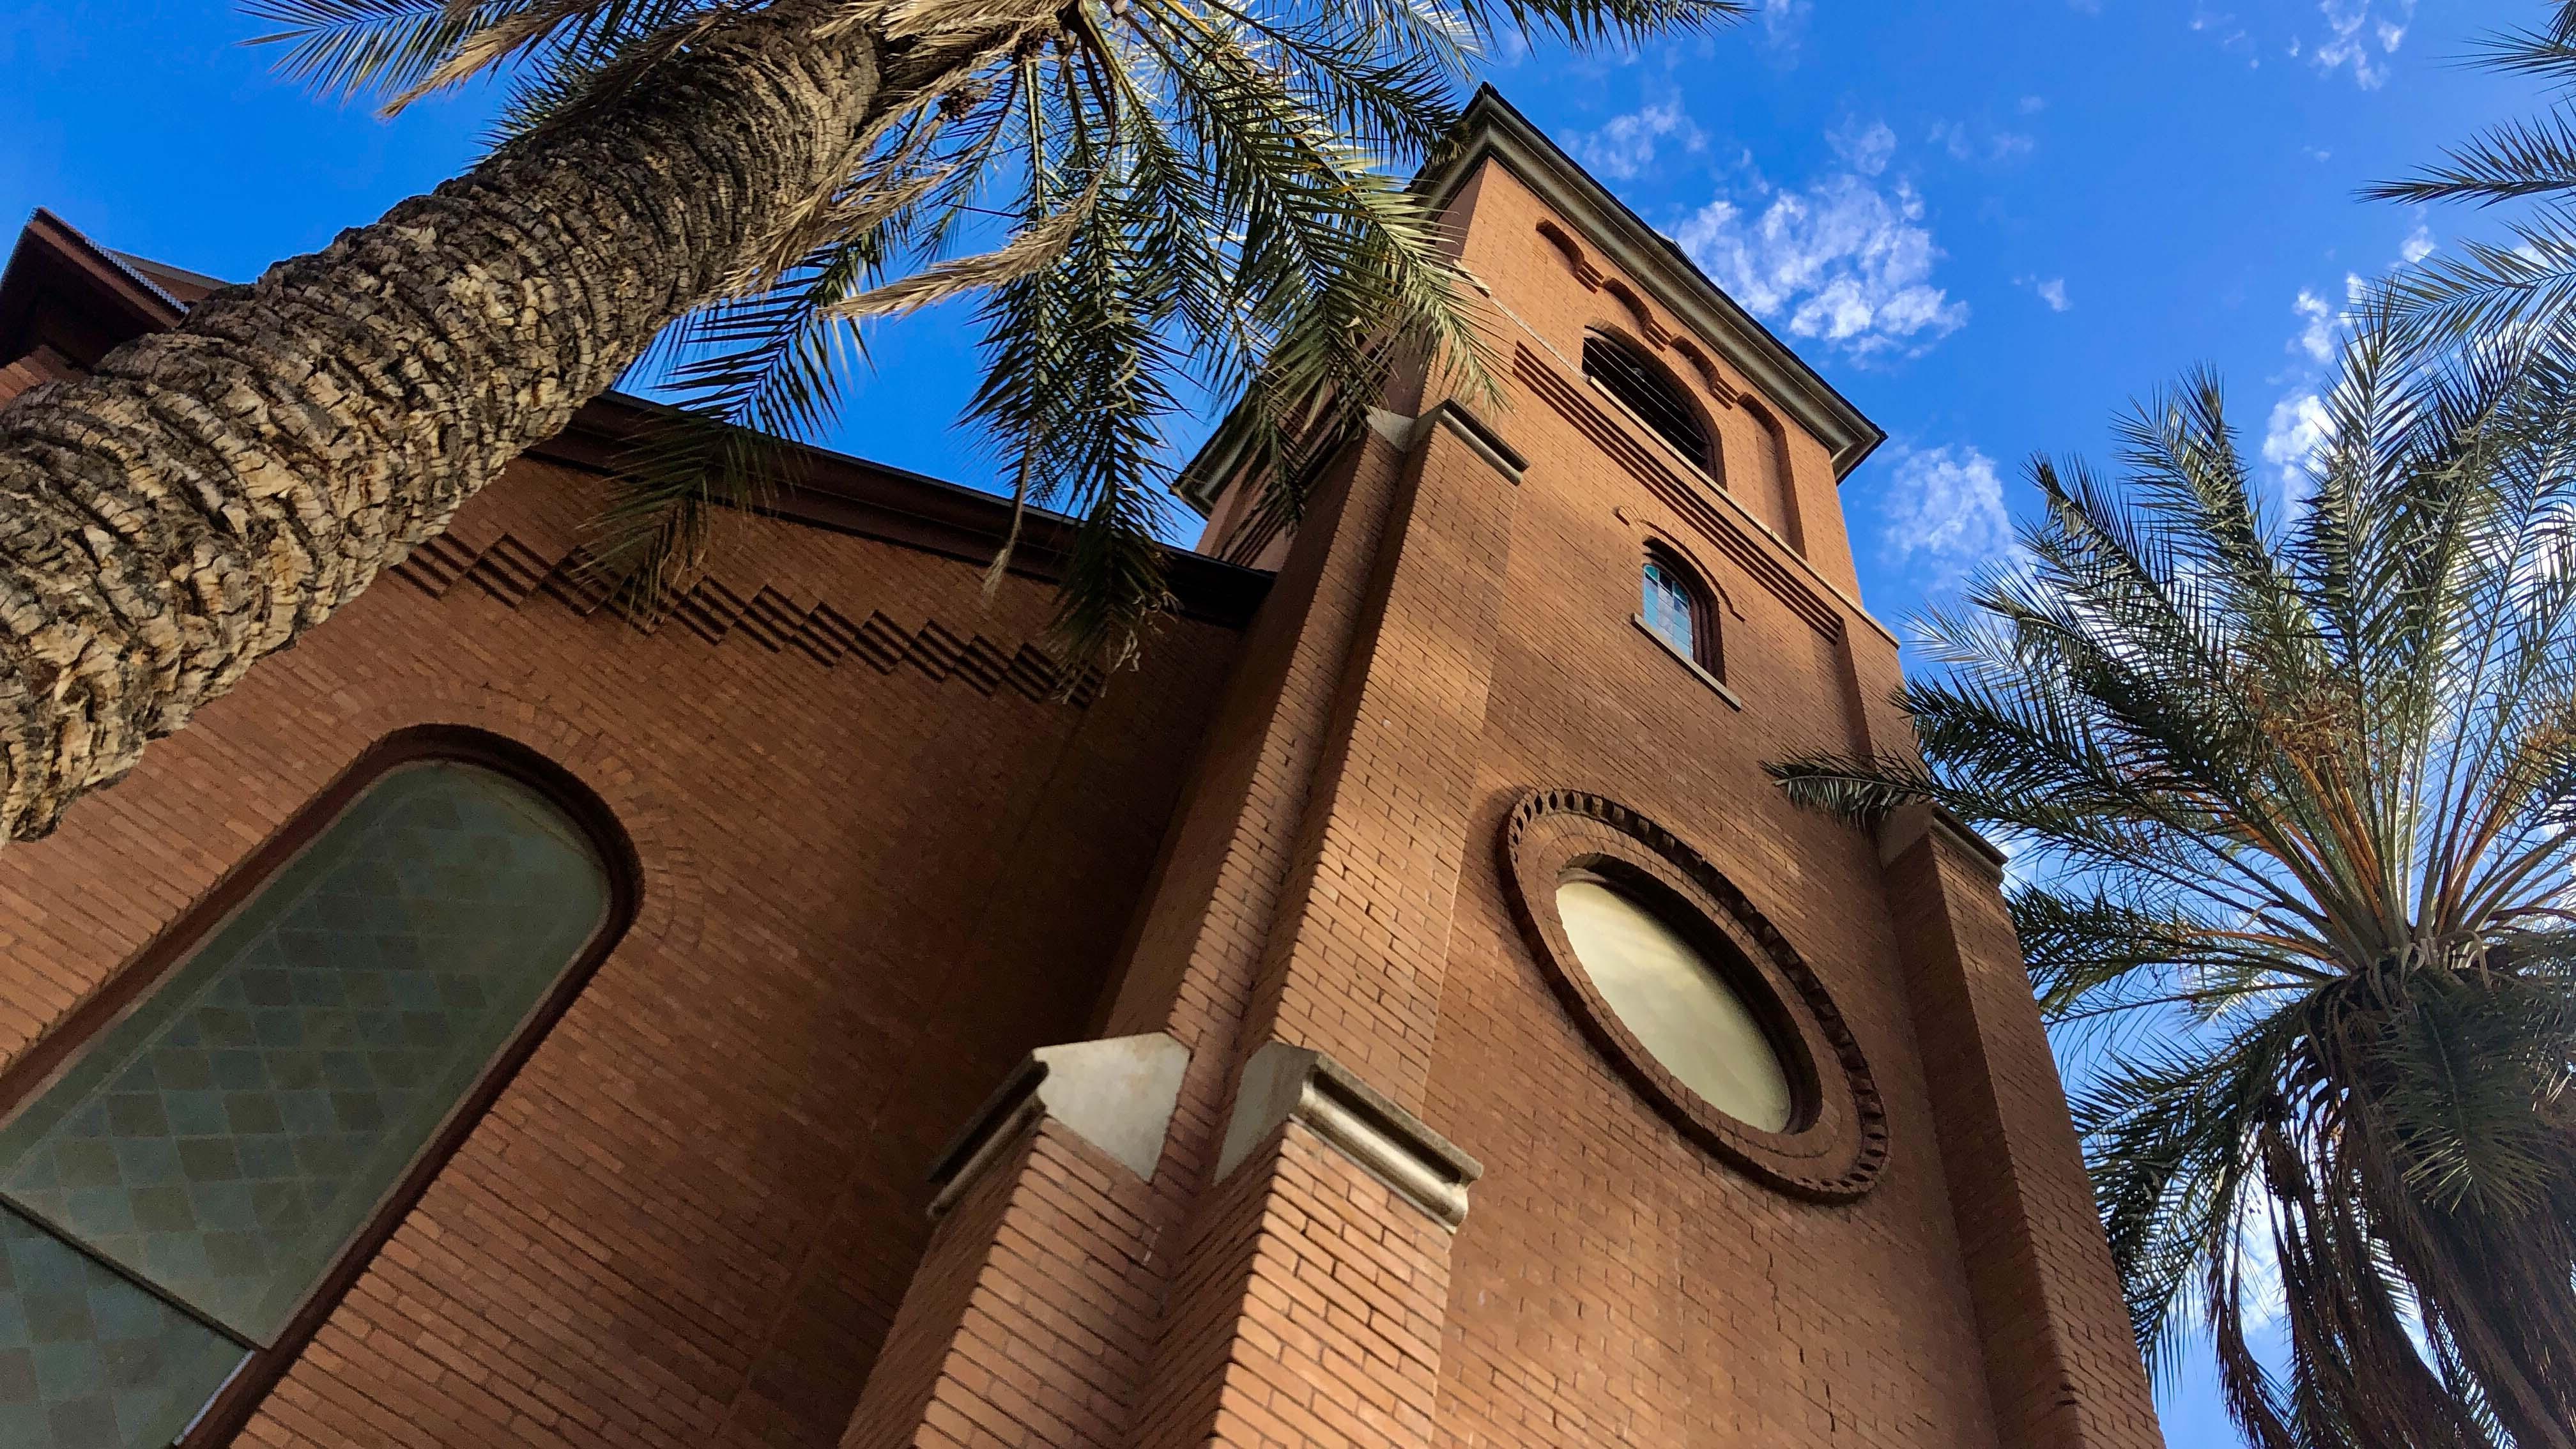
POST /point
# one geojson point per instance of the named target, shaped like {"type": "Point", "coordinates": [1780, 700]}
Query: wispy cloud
{"type": "Point", "coordinates": [1784, 25]}
{"type": "Point", "coordinates": [2050, 290]}
{"type": "Point", "coordinates": [1965, 143]}
{"type": "Point", "coordinates": [1945, 513]}
{"type": "Point", "coordinates": [1865, 149]}
{"type": "Point", "coordinates": [2360, 37]}
{"type": "Point", "coordinates": [2316, 334]}
{"type": "Point", "coordinates": [1624, 148]}
{"type": "Point", "coordinates": [2297, 428]}
{"type": "Point", "coordinates": [2221, 25]}
{"type": "Point", "coordinates": [1848, 260]}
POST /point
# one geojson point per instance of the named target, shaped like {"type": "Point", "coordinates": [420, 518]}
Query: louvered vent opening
{"type": "Point", "coordinates": [1648, 392]}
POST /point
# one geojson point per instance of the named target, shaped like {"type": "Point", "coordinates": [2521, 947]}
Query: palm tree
{"type": "Point", "coordinates": [2300, 780]}
{"type": "Point", "coordinates": [1172, 190]}
{"type": "Point", "coordinates": [2527, 280]}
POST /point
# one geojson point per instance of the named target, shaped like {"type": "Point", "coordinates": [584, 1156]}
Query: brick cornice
{"type": "Point", "coordinates": [1491, 130]}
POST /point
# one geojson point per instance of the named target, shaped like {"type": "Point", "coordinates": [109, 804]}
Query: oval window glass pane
{"type": "Point", "coordinates": [1672, 999]}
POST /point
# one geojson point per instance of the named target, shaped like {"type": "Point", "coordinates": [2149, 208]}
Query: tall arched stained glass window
{"type": "Point", "coordinates": [172, 1203]}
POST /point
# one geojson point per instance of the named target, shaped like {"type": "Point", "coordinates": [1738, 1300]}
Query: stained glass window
{"type": "Point", "coordinates": [1672, 608]}
{"type": "Point", "coordinates": [171, 1201]}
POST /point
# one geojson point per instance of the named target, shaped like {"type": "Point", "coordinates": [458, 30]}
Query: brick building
{"type": "Point", "coordinates": [1400, 1014]}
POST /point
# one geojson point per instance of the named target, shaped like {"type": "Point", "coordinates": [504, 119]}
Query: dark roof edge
{"type": "Point", "coordinates": [54, 264]}
{"type": "Point", "coordinates": [851, 495]}
{"type": "Point", "coordinates": [833, 490]}
{"type": "Point", "coordinates": [1493, 129]}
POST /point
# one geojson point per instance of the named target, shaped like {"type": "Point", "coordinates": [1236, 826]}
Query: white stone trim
{"type": "Point", "coordinates": [1116, 1094]}
{"type": "Point", "coordinates": [1284, 1083]}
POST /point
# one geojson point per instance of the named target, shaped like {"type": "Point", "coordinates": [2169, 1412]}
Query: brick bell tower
{"type": "Point", "coordinates": [1498, 1059]}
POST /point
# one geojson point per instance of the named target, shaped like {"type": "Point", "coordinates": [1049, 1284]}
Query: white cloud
{"type": "Point", "coordinates": [1848, 260]}
{"type": "Point", "coordinates": [1945, 511]}
{"type": "Point", "coordinates": [1624, 148]}
{"type": "Point", "coordinates": [2299, 423]}
{"type": "Point", "coordinates": [2033, 105]}
{"type": "Point", "coordinates": [2292, 438]}
{"type": "Point", "coordinates": [2316, 327]}
{"type": "Point", "coordinates": [1866, 150]}
{"type": "Point", "coordinates": [1784, 22]}
{"type": "Point", "coordinates": [2052, 290]}
{"type": "Point", "coordinates": [2353, 29]}
{"type": "Point", "coordinates": [2231, 36]}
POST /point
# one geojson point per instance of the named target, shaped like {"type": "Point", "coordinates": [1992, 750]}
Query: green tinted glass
{"type": "Point", "coordinates": [88, 1360]}
{"type": "Point", "coordinates": [225, 1140]}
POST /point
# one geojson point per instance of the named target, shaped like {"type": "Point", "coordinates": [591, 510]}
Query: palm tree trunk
{"type": "Point", "coordinates": [211, 492]}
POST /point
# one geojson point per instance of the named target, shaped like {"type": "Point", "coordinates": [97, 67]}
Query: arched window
{"type": "Point", "coordinates": [185, 1200]}
{"type": "Point", "coordinates": [1648, 391]}
{"type": "Point", "coordinates": [1676, 609]}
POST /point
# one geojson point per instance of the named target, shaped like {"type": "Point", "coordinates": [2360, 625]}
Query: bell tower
{"type": "Point", "coordinates": [1497, 1058]}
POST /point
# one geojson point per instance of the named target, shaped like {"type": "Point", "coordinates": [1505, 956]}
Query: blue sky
{"type": "Point", "coordinates": [1991, 224]}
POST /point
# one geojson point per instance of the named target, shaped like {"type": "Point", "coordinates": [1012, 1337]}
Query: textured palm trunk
{"type": "Point", "coordinates": [210, 493]}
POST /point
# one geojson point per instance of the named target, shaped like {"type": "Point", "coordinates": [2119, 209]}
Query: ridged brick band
{"type": "Point", "coordinates": [1837, 1143]}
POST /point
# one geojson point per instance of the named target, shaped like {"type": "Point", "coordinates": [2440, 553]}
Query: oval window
{"type": "Point", "coordinates": [1680, 1007]}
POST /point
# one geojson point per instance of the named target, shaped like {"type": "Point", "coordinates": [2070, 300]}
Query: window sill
{"type": "Point", "coordinates": [1698, 671]}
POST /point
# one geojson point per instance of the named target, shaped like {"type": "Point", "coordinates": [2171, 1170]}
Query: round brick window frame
{"type": "Point", "coordinates": [1836, 1143]}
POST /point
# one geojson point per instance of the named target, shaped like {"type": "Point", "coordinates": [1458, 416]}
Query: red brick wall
{"type": "Point", "coordinates": [1614, 1283]}
{"type": "Point", "coordinates": [866, 893]}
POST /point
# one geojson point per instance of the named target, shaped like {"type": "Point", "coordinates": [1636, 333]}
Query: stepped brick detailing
{"type": "Point", "coordinates": [510, 570]}
{"type": "Point", "coordinates": [1712, 522]}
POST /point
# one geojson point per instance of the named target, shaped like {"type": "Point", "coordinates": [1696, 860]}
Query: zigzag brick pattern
{"type": "Point", "coordinates": [512, 571]}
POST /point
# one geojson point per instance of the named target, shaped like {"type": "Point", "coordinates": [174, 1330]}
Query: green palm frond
{"type": "Point", "coordinates": [1138, 198]}
{"type": "Point", "coordinates": [2525, 283]}
{"type": "Point", "coordinates": [2294, 780]}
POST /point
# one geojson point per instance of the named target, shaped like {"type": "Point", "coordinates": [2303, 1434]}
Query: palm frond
{"type": "Point", "coordinates": [2290, 787]}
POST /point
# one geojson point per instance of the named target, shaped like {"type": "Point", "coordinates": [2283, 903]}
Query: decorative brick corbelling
{"type": "Point", "coordinates": [1712, 524]}
{"type": "Point", "coordinates": [1839, 1146]}
{"type": "Point", "coordinates": [512, 571]}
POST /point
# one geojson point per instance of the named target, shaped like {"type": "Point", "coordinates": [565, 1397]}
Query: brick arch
{"type": "Point", "coordinates": [1715, 464]}
{"type": "Point", "coordinates": [1776, 466]}
{"type": "Point", "coordinates": [671, 894]}
{"type": "Point", "coordinates": [1667, 540]}
{"type": "Point", "coordinates": [1654, 333]}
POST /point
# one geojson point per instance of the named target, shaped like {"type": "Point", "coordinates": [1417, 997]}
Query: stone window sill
{"type": "Point", "coordinates": [1698, 672]}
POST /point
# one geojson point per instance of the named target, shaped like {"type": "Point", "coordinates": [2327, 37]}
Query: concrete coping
{"type": "Point", "coordinates": [1907, 824]}
{"type": "Point", "coordinates": [1407, 434]}
{"type": "Point", "coordinates": [1284, 1083]}
{"type": "Point", "coordinates": [1117, 1094]}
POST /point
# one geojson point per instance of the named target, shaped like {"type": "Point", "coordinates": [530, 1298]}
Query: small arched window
{"type": "Point", "coordinates": [184, 1201]}
{"type": "Point", "coordinates": [1676, 609]}
{"type": "Point", "coordinates": [1647, 390]}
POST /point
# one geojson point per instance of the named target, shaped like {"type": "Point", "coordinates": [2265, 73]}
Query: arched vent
{"type": "Point", "coordinates": [1649, 391]}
